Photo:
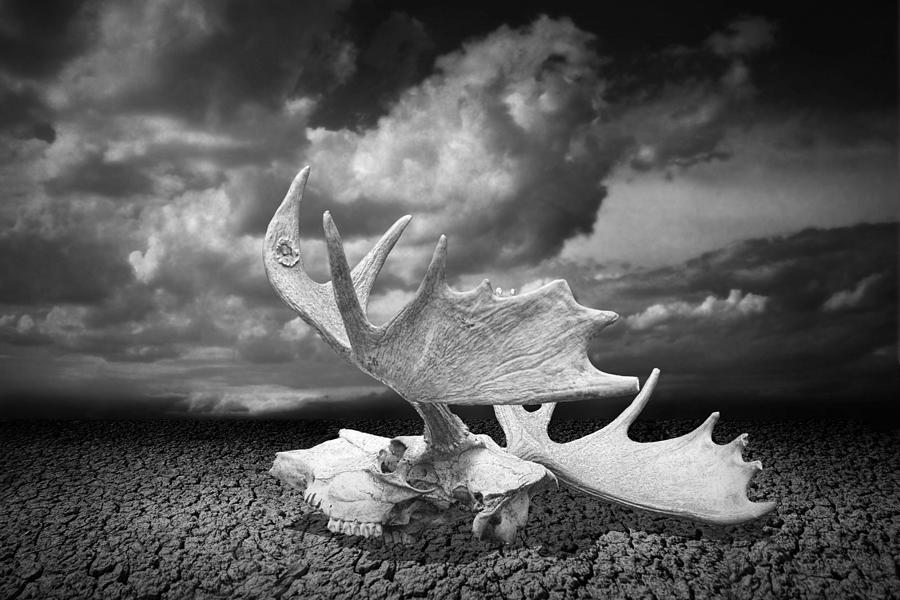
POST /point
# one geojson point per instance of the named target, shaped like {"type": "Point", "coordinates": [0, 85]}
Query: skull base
{"type": "Point", "coordinates": [372, 486]}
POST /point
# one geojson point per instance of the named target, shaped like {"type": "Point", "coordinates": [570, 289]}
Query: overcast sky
{"type": "Point", "coordinates": [722, 176]}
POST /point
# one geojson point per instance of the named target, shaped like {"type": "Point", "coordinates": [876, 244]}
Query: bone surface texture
{"type": "Point", "coordinates": [471, 347]}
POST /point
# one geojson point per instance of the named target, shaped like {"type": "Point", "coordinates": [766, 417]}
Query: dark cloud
{"type": "Point", "coordinates": [206, 62]}
{"type": "Point", "coordinates": [744, 36]}
{"type": "Point", "coordinates": [811, 302]}
{"type": "Point", "coordinates": [24, 115]}
{"type": "Point", "coordinates": [265, 349]}
{"type": "Point", "coordinates": [110, 403]}
{"type": "Point", "coordinates": [682, 121]}
{"type": "Point", "coordinates": [396, 49]}
{"type": "Point", "coordinates": [393, 55]}
{"type": "Point", "coordinates": [820, 128]}
{"type": "Point", "coordinates": [67, 269]}
{"type": "Point", "coordinates": [37, 38]}
{"type": "Point", "coordinates": [254, 57]}
{"type": "Point", "coordinates": [809, 69]}
{"type": "Point", "coordinates": [36, 41]}
{"type": "Point", "coordinates": [95, 175]}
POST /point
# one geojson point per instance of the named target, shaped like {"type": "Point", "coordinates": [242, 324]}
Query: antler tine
{"type": "Point", "coordinates": [282, 245]}
{"type": "Point", "coordinates": [622, 422]}
{"type": "Point", "coordinates": [313, 301]}
{"type": "Point", "coordinates": [359, 329]}
{"type": "Point", "coordinates": [356, 323]}
{"type": "Point", "coordinates": [627, 416]}
{"type": "Point", "coordinates": [434, 277]}
{"type": "Point", "coordinates": [366, 270]}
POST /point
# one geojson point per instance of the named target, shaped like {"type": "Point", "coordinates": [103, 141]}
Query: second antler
{"type": "Point", "coordinates": [448, 347]}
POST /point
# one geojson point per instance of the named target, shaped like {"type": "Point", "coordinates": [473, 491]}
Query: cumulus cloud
{"type": "Point", "coordinates": [853, 298]}
{"type": "Point", "coordinates": [495, 148]}
{"type": "Point", "coordinates": [25, 324]}
{"type": "Point", "coordinates": [736, 305]}
{"type": "Point", "coordinates": [191, 248]}
{"type": "Point", "coordinates": [66, 268]}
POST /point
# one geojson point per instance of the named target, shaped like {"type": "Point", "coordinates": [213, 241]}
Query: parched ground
{"type": "Point", "coordinates": [187, 509]}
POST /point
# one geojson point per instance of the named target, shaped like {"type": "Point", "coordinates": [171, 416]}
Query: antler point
{"type": "Point", "coordinates": [329, 226]}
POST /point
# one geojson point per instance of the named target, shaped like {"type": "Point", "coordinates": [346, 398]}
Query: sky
{"type": "Point", "coordinates": [724, 176]}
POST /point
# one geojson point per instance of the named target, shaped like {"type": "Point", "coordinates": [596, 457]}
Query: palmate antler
{"type": "Point", "coordinates": [444, 347]}
{"type": "Point", "coordinates": [688, 476]}
{"type": "Point", "coordinates": [450, 347]}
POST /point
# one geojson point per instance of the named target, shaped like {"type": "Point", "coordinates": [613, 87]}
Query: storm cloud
{"type": "Point", "coordinates": [144, 147]}
{"type": "Point", "coordinates": [793, 313]}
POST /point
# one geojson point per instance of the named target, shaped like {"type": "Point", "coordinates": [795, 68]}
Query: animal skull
{"type": "Point", "coordinates": [372, 486]}
{"type": "Point", "coordinates": [479, 347]}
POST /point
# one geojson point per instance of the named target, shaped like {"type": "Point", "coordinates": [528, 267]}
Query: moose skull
{"type": "Point", "coordinates": [477, 347]}
{"type": "Point", "coordinates": [373, 486]}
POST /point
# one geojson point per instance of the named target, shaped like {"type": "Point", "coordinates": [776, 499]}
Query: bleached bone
{"type": "Point", "coordinates": [445, 346]}
{"type": "Point", "coordinates": [688, 476]}
{"type": "Point", "coordinates": [476, 347]}
{"type": "Point", "coordinates": [373, 486]}
{"type": "Point", "coordinates": [314, 302]}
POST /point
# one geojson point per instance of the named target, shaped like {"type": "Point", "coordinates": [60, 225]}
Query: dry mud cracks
{"type": "Point", "coordinates": [186, 509]}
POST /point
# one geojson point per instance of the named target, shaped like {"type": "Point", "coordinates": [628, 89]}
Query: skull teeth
{"type": "Point", "coordinates": [313, 500]}
{"type": "Point", "coordinates": [354, 528]}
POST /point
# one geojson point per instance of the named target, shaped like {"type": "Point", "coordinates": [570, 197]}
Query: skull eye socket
{"type": "Point", "coordinates": [390, 456]}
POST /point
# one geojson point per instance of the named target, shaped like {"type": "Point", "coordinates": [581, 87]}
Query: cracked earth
{"type": "Point", "coordinates": [187, 509]}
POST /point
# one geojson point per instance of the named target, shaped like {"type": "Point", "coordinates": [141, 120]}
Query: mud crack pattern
{"type": "Point", "coordinates": [187, 510]}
